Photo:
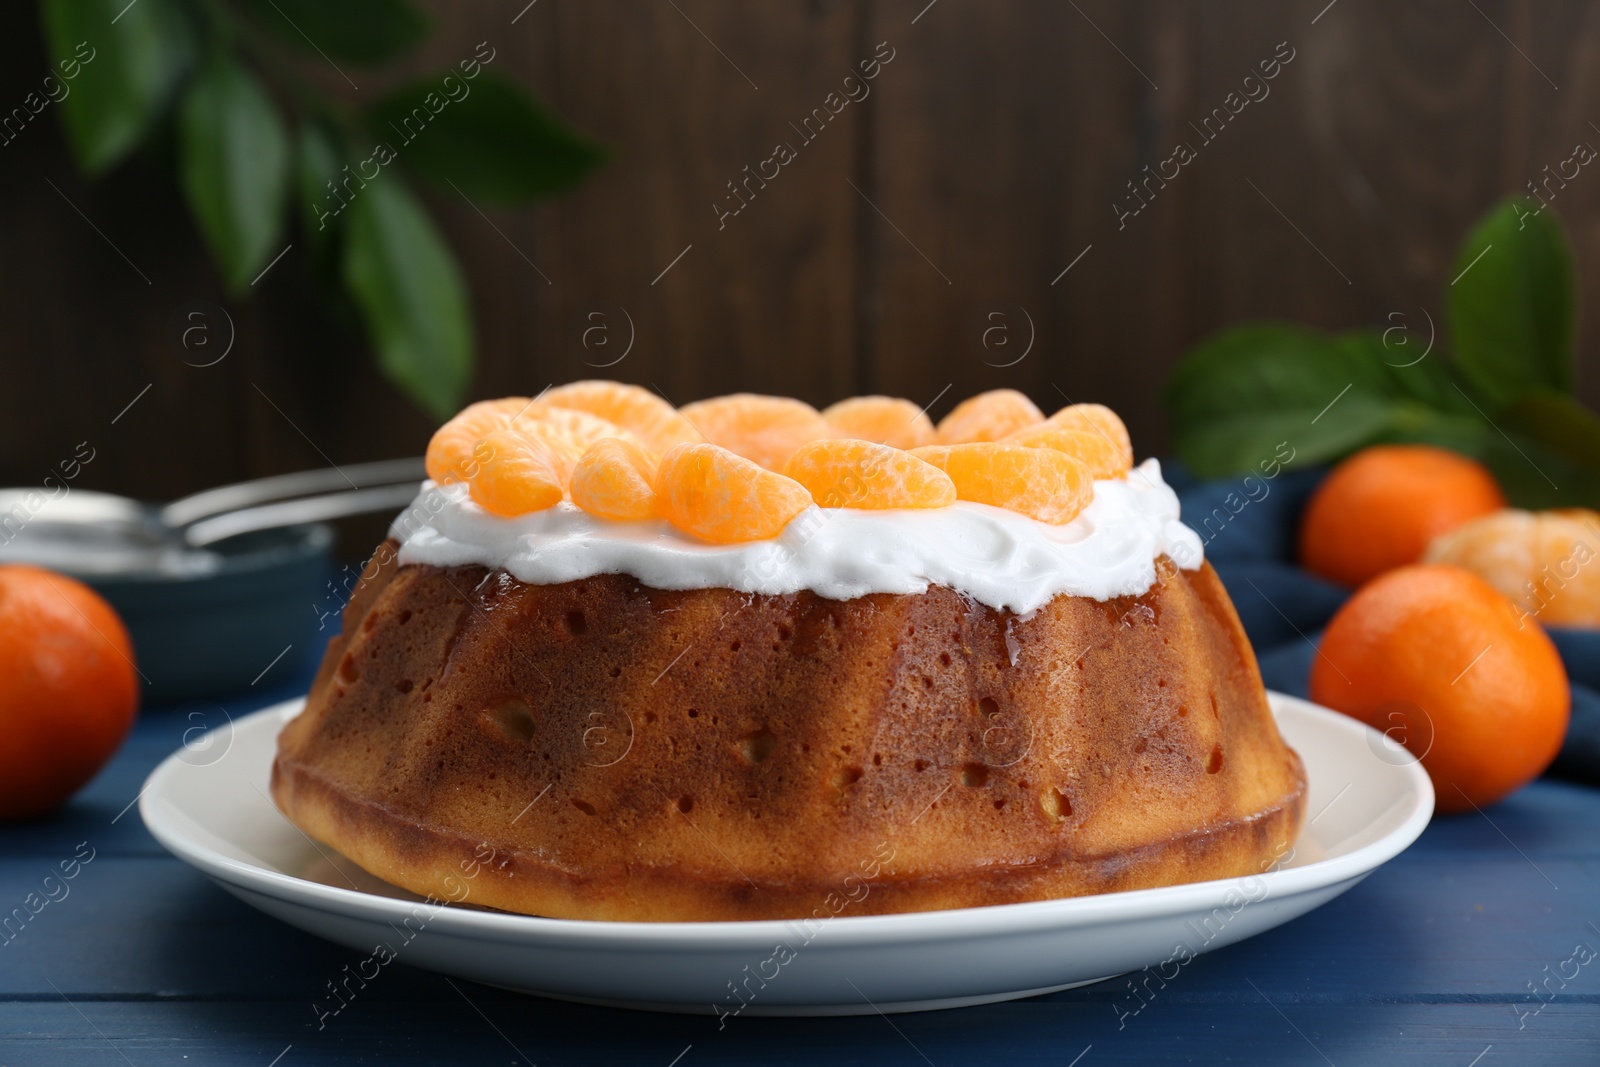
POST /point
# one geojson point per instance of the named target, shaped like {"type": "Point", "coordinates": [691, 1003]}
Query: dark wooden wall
{"type": "Point", "coordinates": [985, 161]}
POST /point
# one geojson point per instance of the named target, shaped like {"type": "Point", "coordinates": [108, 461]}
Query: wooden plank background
{"type": "Point", "coordinates": [915, 247]}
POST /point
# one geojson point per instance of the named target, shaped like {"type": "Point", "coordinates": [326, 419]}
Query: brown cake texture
{"type": "Point", "coordinates": [599, 749]}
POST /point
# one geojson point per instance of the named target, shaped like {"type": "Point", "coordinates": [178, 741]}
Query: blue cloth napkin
{"type": "Point", "coordinates": [1249, 526]}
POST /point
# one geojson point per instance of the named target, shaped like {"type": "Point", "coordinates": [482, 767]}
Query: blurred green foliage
{"type": "Point", "coordinates": [250, 133]}
{"type": "Point", "coordinates": [1503, 394]}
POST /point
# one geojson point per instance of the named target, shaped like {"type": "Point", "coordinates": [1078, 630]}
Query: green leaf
{"type": "Point", "coordinates": [318, 156]}
{"type": "Point", "coordinates": [1566, 434]}
{"type": "Point", "coordinates": [1536, 476]}
{"type": "Point", "coordinates": [1511, 306]}
{"type": "Point", "coordinates": [485, 136]}
{"type": "Point", "coordinates": [1558, 422]}
{"type": "Point", "coordinates": [411, 295]}
{"type": "Point", "coordinates": [120, 65]}
{"type": "Point", "coordinates": [1424, 426]}
{"type": "Point", "coordinates": [1239, 394]}
{"type": "Point", "coordinates": [361, 31]}
{"type": "Point", "coordinates": [234, 166]}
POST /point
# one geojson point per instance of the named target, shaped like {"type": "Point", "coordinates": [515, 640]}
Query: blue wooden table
{"type": "Point", "coordinates": [1474, 948]}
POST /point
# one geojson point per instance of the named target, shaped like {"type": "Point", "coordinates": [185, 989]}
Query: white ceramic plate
{"type": "Point", "coordinates": [208, 803]}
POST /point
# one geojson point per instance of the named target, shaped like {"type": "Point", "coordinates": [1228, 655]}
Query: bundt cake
{"type": "Point", "coordinates": [914, 694]}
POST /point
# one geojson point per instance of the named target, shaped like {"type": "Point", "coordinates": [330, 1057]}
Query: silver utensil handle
{"type": "Point", "coordinates": [291, 512]}
{"type": "Point", "coordinates": [243, 495]}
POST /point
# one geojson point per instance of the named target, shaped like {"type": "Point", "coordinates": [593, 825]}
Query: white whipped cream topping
{"type": "Point", "coordinates": [997, 557]}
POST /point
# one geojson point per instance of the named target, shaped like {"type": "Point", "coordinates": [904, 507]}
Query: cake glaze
{"type": "Point", "coordinates": [1001, 559]}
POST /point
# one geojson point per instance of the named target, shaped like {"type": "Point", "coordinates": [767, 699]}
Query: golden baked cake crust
{"type": "Point", "coordinates": [598, 749]}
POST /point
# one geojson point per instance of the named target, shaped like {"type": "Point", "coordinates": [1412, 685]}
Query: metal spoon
{"type": "Point", "coordinates": [84, 532]}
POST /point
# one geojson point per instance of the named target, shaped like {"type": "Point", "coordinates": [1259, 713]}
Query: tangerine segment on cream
{"type": "Point", "coordinates": [999, 558]}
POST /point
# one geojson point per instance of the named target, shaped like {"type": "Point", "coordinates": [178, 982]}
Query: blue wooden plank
{"type": "Point", "coordinates": [1547, 818]}
{"type": "Point", "coordinates": [473, 1024]}
{"type": "Point", "coordinates": [133, 926]}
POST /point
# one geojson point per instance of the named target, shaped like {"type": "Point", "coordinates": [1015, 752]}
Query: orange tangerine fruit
{"type": "Point", "coordinates": [522, 472]}
{"type": "Point", "coordinates": [888, 420]}
{"type": "Point", "coordinates": [1440, 662]}
{"type": "Point", "coordinates": [762, 428]}
{"type": "Point", "coordinates": [634, 408]}
{"type": "Point", "coordinates": [1543, 561]}
{"type": "Point", "coordinates": [718, 495]}
{"type": "Point", "coordinates": [988, 417]}
{"type": "Point", "coordinates": [68, 688]}
{"type": "Point", "coordinates": [849, 473]}
{"type": "Point", "coordinates": [615, 479]}
{"type": "Point", "coordinates": [450, 456]}
{"type": "Point", "coordinates": [1097, 452]}
{"type": "Point", "coordinates": [1040, 483]}
{"type": "Point", "coordinates": [1380, 508]}
{"type": "Point", "coordinates": [1100, 421]}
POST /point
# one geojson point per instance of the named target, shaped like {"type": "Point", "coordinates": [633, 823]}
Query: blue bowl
{"type": "Point", "coordinates": [254, 618]}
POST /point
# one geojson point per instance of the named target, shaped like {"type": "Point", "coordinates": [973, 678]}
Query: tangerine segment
{"type": "Point", "coordinates": [888, 420]}
{"type": "Point", "coordinates": [571, 427]}
{"type": "Point", "coordinates": [766, 429]}
{"type": "Point", "coordinates": [522, 472]}
{"type": "Point", "coordinates": [615, 479]}
{"type": "Point", "coordinates": [1103, 457]}
{"type": "Point", "coordinates": [1100, 420]}
{"type": "Point", "coordinates": [656, 422]}
{"type": "Point", "coordinates": [1040, 483]}
{"type": "Point", "coordinates": [988, 417]}
{"type": "Point", "coordinates": [720, 496]}
{"type": "Point", "coordinates": [450, 457]}
{"type": "Point", "coordinates": [848, 473]}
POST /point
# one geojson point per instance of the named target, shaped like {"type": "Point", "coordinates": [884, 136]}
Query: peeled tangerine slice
{"type": "Point", "coordinates": [766, 429]}
{"type": "Point", "coordinates": [888, 420]}
{"type": "Point", "coordinates": [988, 417]}
{"type": "Point", "coordinates": [844, 473]}
{"type": "Point", "coordinates": [615, 479]}
{"type": "Point", "coordinates": [521, 472]}
{"type": "Point", "coordinates": [719, 496]}
{"type": "Point", "coordinates": [1041, 483]}
{"type": "Point", "coordinates": [450, 453]}
{"type": "Point", "coordinates": [1096, 451]}
{"type": "Point", "coordinates": [656, 422]}
{"type": "Point", "coordinates": [1096, 419]}
{"type": "Point", "coordinates": [450, 457]}
{"type": "Point", "coordinates": [571, 427]}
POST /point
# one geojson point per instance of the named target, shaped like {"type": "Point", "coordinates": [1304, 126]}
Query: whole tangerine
{"type": "Point", "coordinates": [1380, 508]}
{"type": "Point", "coordinates": [68, 688]}
{"type": "Point", "coordinates": [1438, 660]}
